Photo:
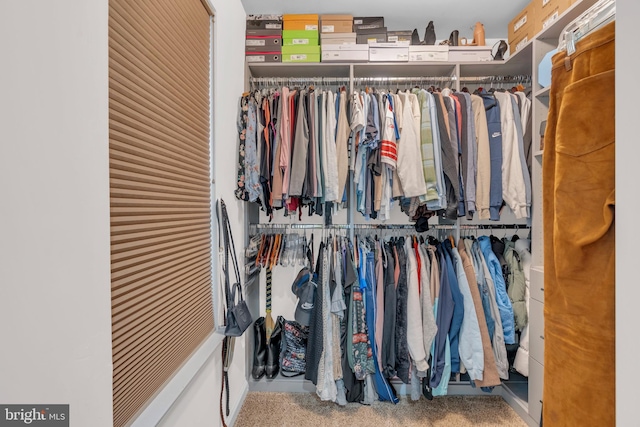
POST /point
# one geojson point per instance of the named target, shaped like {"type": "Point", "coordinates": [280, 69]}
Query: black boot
{"type": "Point", "coordinates": [415, 38]}
{"type": "Point", "coordinates": [502, 48]}
{"type": "Point", "coordinates": [453, 38]}
{"type": "Point", "coordinates": [260, 349]}
{"type": "Point", "coordinates": [430, 34]}
{"type": "Point", "coordinates": [273, 349]}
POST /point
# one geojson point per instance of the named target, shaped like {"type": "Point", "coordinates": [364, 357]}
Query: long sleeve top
{"type": "Point", "coordinates": [471, 352]}
{"type": "Point", "coordinates": [415, 338]}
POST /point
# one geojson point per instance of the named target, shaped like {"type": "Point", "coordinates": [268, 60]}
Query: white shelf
{"type": "Point", "coordinates": [403, 69]}
{"type": "Point", "coordinates": [543, 93]}
{"type": "Point", "coordinates": [285, 69]}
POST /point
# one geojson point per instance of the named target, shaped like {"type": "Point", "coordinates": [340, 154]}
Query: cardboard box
{"type": "Point", "coordinates": [337, 38]}
{"type": "Point", "coordinates": [426, 53]}
{"type": "Point", "coordinates": [396, 36]}
{"type": "Point", "coordinates": [253, 57]}
{"type": "Point", "coordinates": [380, 53]}
{"type": "Point", "coordinates": [548, 11]}
{"type": "Point", "coordinates": [373, 35]}
{"type": "Point", "coordinates": [264, 22]}
{"type": "Point", "coordinates": [266, 42]}
{"type": "Point", "coordinates": [299, 37]}
{"type": "Point", "coordinates": [470, 53]}
{"type": "Point", "coordinates": [345, 53]}
{"type": "Point", "coordinates": [306, 22]}
{"type": "Point", "coordinates": [301, 53]}
{"type": "Point", "coordinates": [522, 39]}
{"type": "Point", "coordinates": [522, 21]}
{"type": "Point", "coordinates": [368, 21]}
{"type": "Point", "coordinates": [262, 49]}
{"type": "Point", "coordinates": [336, 23]}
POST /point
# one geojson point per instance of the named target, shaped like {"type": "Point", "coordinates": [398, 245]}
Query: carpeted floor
{"type": "Point", "coordinates": [306, 409]}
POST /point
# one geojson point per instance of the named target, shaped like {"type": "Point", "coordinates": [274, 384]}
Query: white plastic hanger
{"type": "Point", "coordinates": [595, 17]}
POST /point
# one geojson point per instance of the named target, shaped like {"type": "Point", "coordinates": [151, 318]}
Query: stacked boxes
{"type": "Point", "coordinates": [263, 41]}
{"type": "Point", "coordinates": [428, 53]}
{"type": "Point", "coordinates": [547, 11]}
{"type": "Point", "coordinates": [339, 41]}
{"type": "Point", "coordinates": [370, 29]}
{"type": "Point", "coordinates": [300, 41]}
{"type": "Point", "coordinates": [522, 28]}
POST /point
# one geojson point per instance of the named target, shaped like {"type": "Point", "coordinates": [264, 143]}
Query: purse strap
{"type": "Point", "coordinates": [229, 246]}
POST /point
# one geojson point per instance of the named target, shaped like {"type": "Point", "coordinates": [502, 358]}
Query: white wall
{"type": "Point", "coordinates": [627, 206]}
{"type": "Point", "coordinates": [198, 405]}
{"type": "Point", "coordinates": [55, 312]}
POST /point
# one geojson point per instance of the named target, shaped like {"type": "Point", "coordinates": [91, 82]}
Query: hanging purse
{"type": "Point", "coordinates": [238, 317]}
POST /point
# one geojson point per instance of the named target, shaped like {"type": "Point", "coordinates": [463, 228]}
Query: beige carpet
{"type": "Point", "coordinates": [306, 410]}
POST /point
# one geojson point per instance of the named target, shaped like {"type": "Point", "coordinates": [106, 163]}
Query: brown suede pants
{"type": "Point", "coordinates": [579, 247]}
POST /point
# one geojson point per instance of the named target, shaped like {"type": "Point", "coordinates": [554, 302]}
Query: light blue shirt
{"type": "Point", "coordinates": [502, 298]}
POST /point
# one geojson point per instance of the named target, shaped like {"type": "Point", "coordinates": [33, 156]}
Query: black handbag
{"type": "Point", "coordinates": [238, 316]}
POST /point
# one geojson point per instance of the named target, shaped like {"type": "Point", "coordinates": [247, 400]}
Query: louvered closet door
{"type": "Point", "coordinates": [160, 193]}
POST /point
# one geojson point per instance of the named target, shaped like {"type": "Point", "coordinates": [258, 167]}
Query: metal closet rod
{"type": "Point", "coordinates": [404, 79]}
{"type": "Point", "coordinates": [496, 79]}
{"type": "Point", "coordinates": [279, 80]}
{"type": "Point", "coordinates": [387, 226]}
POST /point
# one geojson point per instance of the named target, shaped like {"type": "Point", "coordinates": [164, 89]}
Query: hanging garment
{"type": "Point", "coordinates": [402, 347]}
{"type": "Point", "coordinates": [470, 347]}
{"type": "Point", "coordinates": [429, 326]}
{"type": "Point", "coordinates": [458, 307]}
{"type": "Point", "coordinates": [415, 335]}
{"type": "Point", "coordinates": [329, 147]}
{"type": "Point", "coordinates": [521, 151]}
{"type": "Point", "coordinates": [390, 307]}
{"type": "Point", "coordinates": [517, 286]}
{"type": "Point", "coordinates": [483, 161]}
{"type": "Point", "coordinates": [513, 188]}
{"type": "Point", "coordinates": [578, 175]}
{"type": "Point", "coordinates": [342, 136]}
{"type": "Point", "coordinates": [354, 388]}
{"type": "Point", "coordinates": [441, 365]}
{"type": "Point", "coordinates": [367, 279]}
{"type": "Point", "coordinates": [490, 377]}
{"type": "Point", "coordinates": [409, 163]}
{"type": "Point", "coordinates": [521, 363]}
{"type": "Point", "coordinates": [426, 147]}
{"type": "Point", "coordinates": [504, 303]}
{"type": "Point", "coordinates": [494, 129]}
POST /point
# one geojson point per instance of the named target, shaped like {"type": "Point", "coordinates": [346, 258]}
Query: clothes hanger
{"type": "Point", "coordinates": [593, 18]}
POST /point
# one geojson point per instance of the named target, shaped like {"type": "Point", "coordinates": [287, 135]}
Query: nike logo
{"type": "Point", "coordinates": [495, 134]}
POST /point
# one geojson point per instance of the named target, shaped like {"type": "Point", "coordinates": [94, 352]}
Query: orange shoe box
{"type": "Point", "coordinates": [305, 22]}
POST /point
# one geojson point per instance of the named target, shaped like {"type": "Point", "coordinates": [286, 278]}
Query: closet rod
{"type": "Point", "coordinates": [403, 79]}
{"type": "Point", "coordinates": [496, 79]}
{"type": "Point", "coordinates": [283, 80]}
{"type": "Point", "coordinates": [388, 226]}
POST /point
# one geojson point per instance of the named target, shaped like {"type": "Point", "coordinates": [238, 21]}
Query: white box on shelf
{"type": "Point", "coordinates": [389, 54]}
{"type": "Point", "coordinates": [470, 53]}
{"type": "Point", "coordinates": [337, 38]}
{"type": "Point", "coordinates": [402, 43]}
{"type": "Point", "coordinates": [428, 53]}
{"type": "Point", "coordinates": [345, 53]}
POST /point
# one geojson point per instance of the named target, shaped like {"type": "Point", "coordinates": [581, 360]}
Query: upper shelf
{"type": "Point", "coordinates": [576, 9]}
{"type": "Point", "coordinates": [279, 69]}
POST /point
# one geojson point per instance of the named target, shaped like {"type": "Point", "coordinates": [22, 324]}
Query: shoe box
{"type": "Point", "coordinates": [337, 38]}
{"type": "Point", "coordinates": [370, 29]}
{"type": "Point", "coordinates": [345, 53]}
{"type": "Point", "coordinates": [301, 53]}
{"type": "Point", "coordinates": [307, 22]}
{"type": "Point", "coordinates": [336, 24]}
{"type": "Point", "coordinates": [428, 53]}
{"type": "Point", "coordinates": [300, 37]}
{"type": "Point", "coordinates": [399, 36]}
{"type": "Point", "coordinates": [263, 38]}
{"type": "Point", "coordinates": [470, 53]}
{"type": "Point", "coordinates": [389, 52]}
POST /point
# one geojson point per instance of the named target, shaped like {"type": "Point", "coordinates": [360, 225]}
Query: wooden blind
{"type": "Point", "coordinates": [159, 115]}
